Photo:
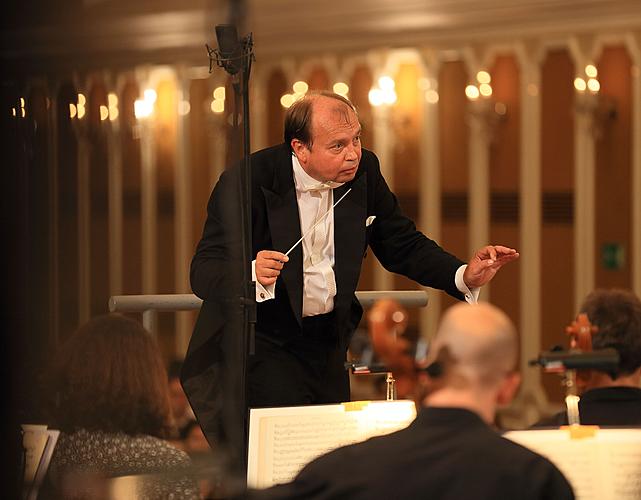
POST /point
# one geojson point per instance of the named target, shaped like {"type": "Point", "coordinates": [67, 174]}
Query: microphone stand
{"type": "Point", "coordinates": [237, 63]}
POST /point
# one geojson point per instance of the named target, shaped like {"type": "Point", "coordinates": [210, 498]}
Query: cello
{"type": "Point", "coordinates": [403, 359]}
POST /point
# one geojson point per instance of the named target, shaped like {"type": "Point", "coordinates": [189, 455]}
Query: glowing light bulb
{"type": "Point", "coordinates": [594, 85]}
{"type": "Point", "coordinates": [579, 84]}
{"type": "Point", "coordinates": [300, 87]}
{"type": "Point", "coordinates": [287, 100]}
{"type": "Point", "coordinates": [472, 92]}
{"type": "Point", "coordinates": [389, 96]}
{"type": "Point", "coordinates": [219, 93]}
{"type": "Point", "coordinates": [485, 89]}
{"type": "Point", "coordinates": [150, 95]}
{"type": "Point", "coordinates": [143, 108]}
{"type": "Point", "coordinates": [386, 83]}
{"type": "Point", "coordinates": [375, 97]}
{"type": "Point", "coordinates": [341, 88]}
{"type": "Point", "coordinates": [104, 113]}
{"type": "Point", "coordinates": [217, 106]}
{"type": "Point", "coordinates": [483, 77]}
{"type": "Point", "coordinates": [431, 96]}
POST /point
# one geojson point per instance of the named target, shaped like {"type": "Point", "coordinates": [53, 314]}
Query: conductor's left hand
{"type": "Point", "coordinates": [486, 262]}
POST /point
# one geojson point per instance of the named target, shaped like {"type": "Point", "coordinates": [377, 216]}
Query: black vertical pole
{"type": "Point", "coordinates": [236, 57]}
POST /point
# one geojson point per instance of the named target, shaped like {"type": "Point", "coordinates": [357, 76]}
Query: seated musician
{"type": "Point", "coordinates": [450, 451]}
{"type": "Point", "coordinates": [612, 398]}
{"type": "Point", "coordinates": [111, 403]}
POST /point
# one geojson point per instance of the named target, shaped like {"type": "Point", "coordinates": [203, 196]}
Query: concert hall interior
{"type": "Point", "coordinates": [495, 122]}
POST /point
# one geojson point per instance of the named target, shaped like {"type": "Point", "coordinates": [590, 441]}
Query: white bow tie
{"type": "Point", "coordinates": [321, 186]}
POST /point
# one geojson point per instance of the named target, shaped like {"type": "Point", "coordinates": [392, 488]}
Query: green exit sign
{"type": "Point", "coordinates": [612, 256]}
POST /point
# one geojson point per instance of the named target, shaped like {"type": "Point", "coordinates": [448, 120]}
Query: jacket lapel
{"type": "Point", "coordinates": [284, 224]}
{"type": "Point", "coordinates": [349, 237]}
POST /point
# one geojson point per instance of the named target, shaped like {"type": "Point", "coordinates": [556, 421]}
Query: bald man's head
{"type": "Point", "coordinates": [480, 342]}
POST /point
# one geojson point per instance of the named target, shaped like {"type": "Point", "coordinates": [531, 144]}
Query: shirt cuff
{"type": "Point", "coordinates": [471, 294]}
{"type": "Point", "coordinates": [263, 293]}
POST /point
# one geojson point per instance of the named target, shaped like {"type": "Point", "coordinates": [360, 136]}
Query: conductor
{"type": "Point", "coordinates": [319, 201]}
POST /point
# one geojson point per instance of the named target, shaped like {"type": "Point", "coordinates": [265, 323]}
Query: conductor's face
{"type": "Point", "coordinates": [335, 151]}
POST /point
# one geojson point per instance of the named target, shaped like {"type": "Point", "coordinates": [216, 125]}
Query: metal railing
{"type": "Point", "coordinates": [150, 305]}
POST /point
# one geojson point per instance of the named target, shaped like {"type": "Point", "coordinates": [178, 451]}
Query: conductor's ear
{"type": "Point", "coordinates": [300, 150]}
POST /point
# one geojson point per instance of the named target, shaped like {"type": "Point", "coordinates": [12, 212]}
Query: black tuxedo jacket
{"type": "Point", "coordinates": [276, 226]}
{"type": "Point", "coordinates": [606, 406]}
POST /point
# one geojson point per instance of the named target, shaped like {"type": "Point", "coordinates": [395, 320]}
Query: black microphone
{"type": "Point", "coordinates": [229, 48]}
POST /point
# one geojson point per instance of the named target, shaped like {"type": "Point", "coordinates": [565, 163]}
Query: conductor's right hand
{"type": "Point", "coordinates": [268, 266]}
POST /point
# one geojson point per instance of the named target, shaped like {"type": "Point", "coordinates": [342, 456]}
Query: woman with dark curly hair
{"type": "Point", "coordinates": [112, 407]}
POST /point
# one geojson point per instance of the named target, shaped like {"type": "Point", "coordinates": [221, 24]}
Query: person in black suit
{"type": "Point", "coordinates": [320, 184]}
{"type": "Point", "coordinates": [450, 451]}
{"type": "Point", "coordinates": [611, 398]}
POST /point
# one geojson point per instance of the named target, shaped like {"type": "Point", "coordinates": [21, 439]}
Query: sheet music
{"type": "Point", "coordinates": [283, 440]}
{"type": "Point", "coordinates": [45, 459]}
{"type": "Point", "coordinates": [34, 440]}
{"type": "Point", "coordinates": [606, 466]}
{"type": "Point", "coordinates": [296, 442]}
{"type": "Point", "coordinates": [38, 443]}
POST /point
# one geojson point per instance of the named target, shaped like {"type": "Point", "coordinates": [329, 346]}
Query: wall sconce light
{"type": "Point", "coordinates": [341, 88]}
{"type": "Point", "coordinates": [299, 88]}
{"type": "Point", "coordinates": [428, 87]}
{"type": "Point", "coordinates": [104, 112]}
{"type": "Point", "coordinates": [218, 102]}
{"type": "Point", "coordinates": [144, 108]}
{"type": "Point", "coordinates": [20, 111]}
{"type": "Point", "coordinates": [77, 109]}
{"type": "Point", "coordinates": [112, 106]}
{"type": "Point", "coordinates": [483, 109]}
{"type": "Point", "coordinates": [590, 103]}
{"type": "Point", "coordinates": [384, 93]}
{"type": "Point", "coordinates": [184, 107]}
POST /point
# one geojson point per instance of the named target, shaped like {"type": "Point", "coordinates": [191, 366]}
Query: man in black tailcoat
{"type": "Point", "coordinates": [322, 185]}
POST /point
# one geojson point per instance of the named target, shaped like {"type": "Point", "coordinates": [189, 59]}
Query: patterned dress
{"type": "Point", "coordinates": [95, 464]}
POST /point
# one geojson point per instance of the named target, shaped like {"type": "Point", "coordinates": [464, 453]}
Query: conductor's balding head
{"type": "Point", "coordinates": [477, 347]}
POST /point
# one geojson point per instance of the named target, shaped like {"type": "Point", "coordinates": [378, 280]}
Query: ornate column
{"type": "Point", "coordinates": [52, 167]}
{"type": "Point", "coordinates": [584, 172]}
{"type": "Point", "coordinates": [148, 188]}
{"type": "Point", "coordinates": [383, 144]}
{"type": "Point", "coordinates": [634, 46]}
{"type": "Point", "coordinates": [430, 184]}
{"type": "Point", "coordinates": [532, 398]}
{"type": "Point", "coordinates": [81, 129]}
{"type": "Point", "coordinates": [182, 226]}
{"type": "Point", "coordinates": [481, 124]}
{"type": "Point", "coordinates": [257, 111]}
{"type": "Point", "coordinates": [114, 144]}
{"type": "Point", "coordinates": [217, 132]}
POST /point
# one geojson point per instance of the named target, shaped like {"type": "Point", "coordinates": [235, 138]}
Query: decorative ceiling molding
{"type": "Point", "coordinates": [117, 33]}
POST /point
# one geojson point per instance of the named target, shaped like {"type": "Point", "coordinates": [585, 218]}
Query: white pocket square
{"type": "Point", "coordinates": [369, 220]}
